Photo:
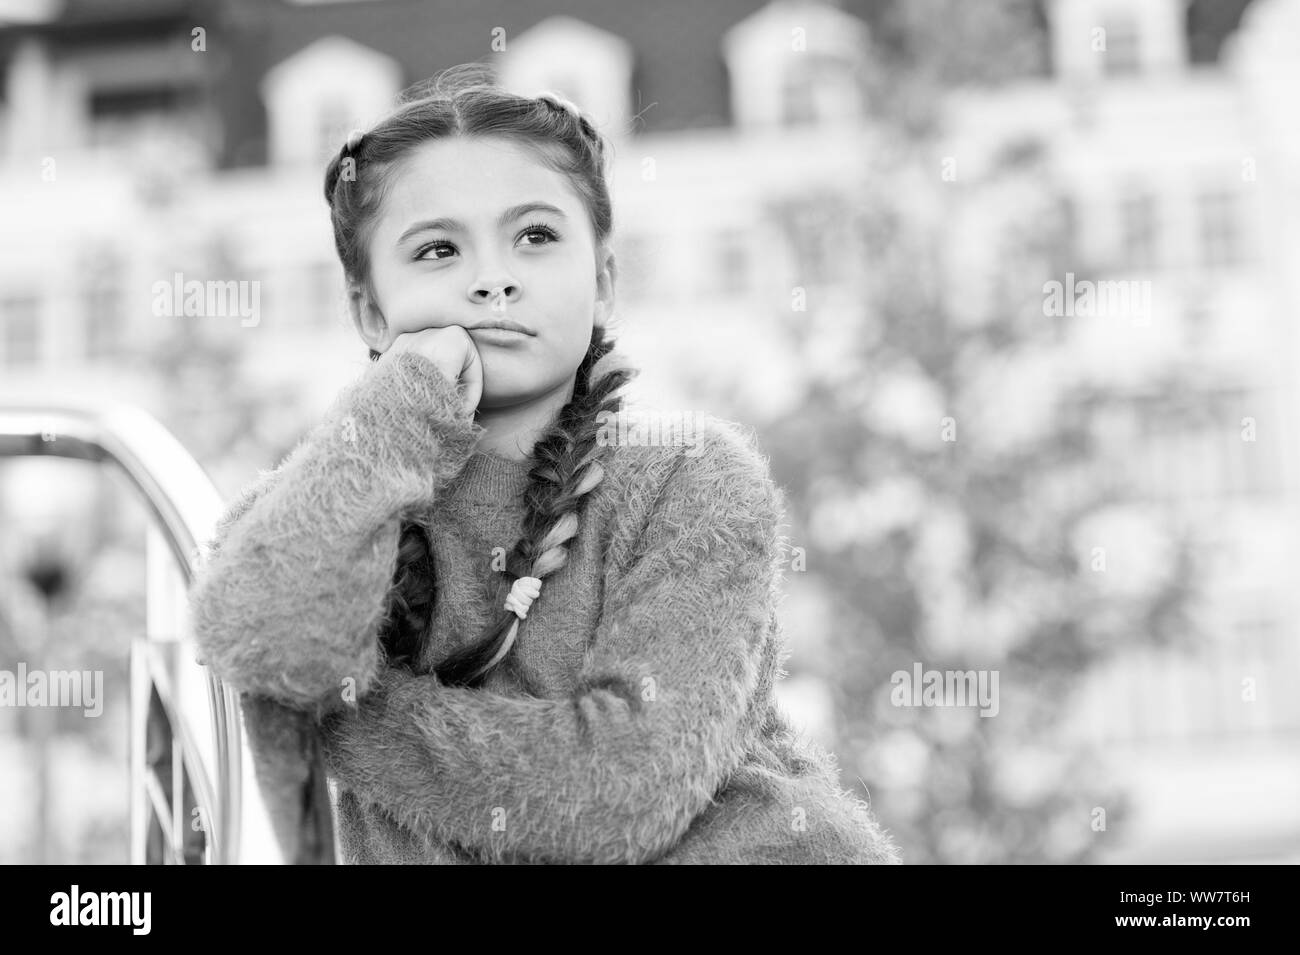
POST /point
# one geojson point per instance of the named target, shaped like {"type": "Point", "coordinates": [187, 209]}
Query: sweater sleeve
{"type": "Point", "coordinates": [284, 745]}
{"type": "Point", "coordinates": [663, 713]}
{"type": "Point", "coordinates": [289, 602]}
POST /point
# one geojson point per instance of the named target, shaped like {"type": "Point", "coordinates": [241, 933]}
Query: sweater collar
{"type": "Point", "coordinates": [492, 479]}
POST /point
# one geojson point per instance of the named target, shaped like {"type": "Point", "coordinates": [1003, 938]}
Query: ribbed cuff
{"type": "Point", "coordinates": [408, 415]}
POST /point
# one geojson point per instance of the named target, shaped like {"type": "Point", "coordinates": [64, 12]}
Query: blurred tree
{"type": "Point", "coordinates": [944, 475]}
{"type": "Point", "coordinates": [228, 420]}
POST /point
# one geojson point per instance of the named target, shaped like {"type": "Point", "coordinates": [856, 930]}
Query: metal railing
{"type": "Point", "coordinates": [193, 795]}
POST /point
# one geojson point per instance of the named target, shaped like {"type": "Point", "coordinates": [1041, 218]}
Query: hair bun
{"type": "Point", "coordinates": [556, 101]}
{"type": "Point", "coordinates": [354, 141]}
{"type": "Point", "coordinates": [586, 128]}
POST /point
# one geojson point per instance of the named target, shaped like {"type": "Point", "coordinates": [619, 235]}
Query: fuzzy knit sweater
{"type": "Point", "coordinates": [637, 721]}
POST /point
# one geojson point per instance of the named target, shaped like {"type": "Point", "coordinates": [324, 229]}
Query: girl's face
{"type": "Point", "coordinates": [465, 217]}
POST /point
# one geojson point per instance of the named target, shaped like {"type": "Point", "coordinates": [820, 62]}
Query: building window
{"type": "Point", "coordinates": [1220, 229]}
{"type": "Point", "coordinates": [816, 234]}
{"type": "Point", "coordinates": [104, 327]}
{"type": "Point", "coordinates": [332, 129]}
{"type": "Point", "coordinates": [118, 116]}
{"type": "Point", "coordinates": [817, 89]}
{"type": "Point", "coordinates": [733, 263]}
{"type": "Point", "coordinates": [1181, 454]}
{"type": "Point", "coordinates": [798, 102]}
{"type": "Point", "coordinates": [1123, 47]}
{"type": "Point", "coordinates": [569, 57]}
{"type": "Point", "coordinates": [316, 96]}
{"type": "Point", "coordinates": [19, 331]}
{"type": "Point", "coordinates": [103, 308]}
{"type": "Point", "coordinates": [1138, 231]}
{"type": "Point", "coordinates": [788, 218]}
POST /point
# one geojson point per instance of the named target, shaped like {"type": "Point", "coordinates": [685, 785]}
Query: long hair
{"type": "Point", "coordinates": [566, 466]}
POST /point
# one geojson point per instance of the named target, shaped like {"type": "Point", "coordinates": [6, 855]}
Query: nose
{"type": "Point", "coordinates": [498, 292]}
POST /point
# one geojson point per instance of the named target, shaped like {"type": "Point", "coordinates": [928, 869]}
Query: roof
{"type": "Point", "coordinates": [679, 79]}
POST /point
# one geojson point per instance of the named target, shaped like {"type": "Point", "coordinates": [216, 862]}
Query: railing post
{"type": "Point", "coordinates": [138, 709]}
{"type": "Point", "coordinates": [203, 715]}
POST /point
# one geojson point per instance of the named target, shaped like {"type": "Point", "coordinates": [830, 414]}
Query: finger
{"type": "Point", "coordinates": [473, 360]}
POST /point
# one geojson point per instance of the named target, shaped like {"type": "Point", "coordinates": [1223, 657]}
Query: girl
{"type": "Point", "coordinates": [510, 635]}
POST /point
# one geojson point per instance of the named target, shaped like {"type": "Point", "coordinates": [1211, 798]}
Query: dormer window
{"type": "Point", "coordinates": [1096, 39]}
{"type": "Point", "coordinates": [318, 95]}
{"type": "Point", "coordinates": [1123, 54]}
{"type": "Point", "coordinates": [566, 56]}
{"type": "Point", "coordinates": [795, 65]}
{"type": "Point", "coordinates": [819, 89]}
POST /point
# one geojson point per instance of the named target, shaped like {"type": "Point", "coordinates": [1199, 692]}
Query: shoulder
{"type": "Point", "coordinates": [242, 502]}
{"type": "Point", "coordinates": [689, 468]}
{"type": "Point", "coordinates": [650, 436]}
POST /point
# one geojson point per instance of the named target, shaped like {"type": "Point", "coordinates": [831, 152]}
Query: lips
{"type": "Point", "coordinates": [504, 325]}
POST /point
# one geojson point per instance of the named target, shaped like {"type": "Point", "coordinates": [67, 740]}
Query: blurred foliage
{"type": "Point", "coordinates": [965, 554]}
{"type": "Point", "coordinates": [208, 398]}
{"type": "Point", "coordinates": [212, 406]}
{"type": "Point", "coordinates": [71, 780]}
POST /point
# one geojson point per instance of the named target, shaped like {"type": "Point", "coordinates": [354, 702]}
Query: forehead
{"type": "Point", "coordinates": [472, 179]}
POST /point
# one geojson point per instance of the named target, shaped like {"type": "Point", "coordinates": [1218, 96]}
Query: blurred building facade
{"type": "Point", "coordinates": [1175, 154]}
{"type": "Point", "coordinates": [144, 140]}
{"type": "Point", "coordinates": [209, 162]}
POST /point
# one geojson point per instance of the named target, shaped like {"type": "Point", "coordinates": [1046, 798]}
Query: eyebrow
{"type": "Point", "coordinates": [454, 225]}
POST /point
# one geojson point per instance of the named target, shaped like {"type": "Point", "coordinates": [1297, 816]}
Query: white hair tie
{"type": "Point", "coordinates": [522, 594]}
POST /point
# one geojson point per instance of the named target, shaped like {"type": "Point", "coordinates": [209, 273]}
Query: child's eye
{"type": "Point", "coordinates": [420, 252]}
{"type": "Point", "coordinates": [536, 228]}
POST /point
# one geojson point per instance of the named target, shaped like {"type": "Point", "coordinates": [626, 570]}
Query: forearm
{"type": "Point", "coordinates": [289, 604]}
{"type": "Point", "coordinates": [431, 756]}
{"type": "Point", "coordinates": [614, 773]}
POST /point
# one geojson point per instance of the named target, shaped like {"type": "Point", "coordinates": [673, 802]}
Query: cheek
{"type": "Point", "coordinates": [570, 295]}
{"type": "Point", "coordinates": [412, 304]}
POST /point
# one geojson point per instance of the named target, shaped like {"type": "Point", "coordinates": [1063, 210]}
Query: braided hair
{"type": "Point", "coordinates": [566, 459]}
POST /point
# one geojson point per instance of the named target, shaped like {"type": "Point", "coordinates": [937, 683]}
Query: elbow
{"type": "Point", "coordinates": [654, 833]}
{"type": "Point", "coordinates": [645, 794]}
{"type": "Point", "coordinates": [655, 813]}
{"type": "Point", "coordinates": [645, 830]}
{"type": "Point", "coordinates": [288, 659]}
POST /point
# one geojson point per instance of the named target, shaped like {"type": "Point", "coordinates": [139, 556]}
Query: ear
{"type": "Point", "coordinates": [368, 319]}
{"type": "Point", "coordinates": [606, 276]}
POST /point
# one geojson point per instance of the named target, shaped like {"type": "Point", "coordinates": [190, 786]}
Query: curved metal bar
{"type": "Point", "coordinates": [185, 505]}
{"type": "Point", "coordinates": [176, 489]}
